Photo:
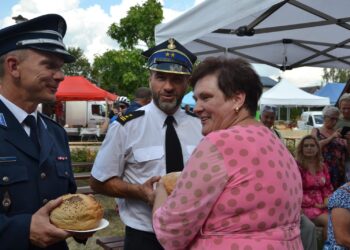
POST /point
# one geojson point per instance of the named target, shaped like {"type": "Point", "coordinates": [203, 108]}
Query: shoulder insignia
{"type": "Point", "coordinates": [3, 120]}
{"type": "Point", "coordinates": [191, 113]}
{"type": "Point", "coordinates": [126, 118]}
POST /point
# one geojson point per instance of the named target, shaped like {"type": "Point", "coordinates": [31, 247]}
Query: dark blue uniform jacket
{"type": "Point", "coordinates": [28, 178]}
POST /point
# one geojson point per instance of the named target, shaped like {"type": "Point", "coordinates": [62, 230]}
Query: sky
{"type": "Point", "coordinates": [88, 22]}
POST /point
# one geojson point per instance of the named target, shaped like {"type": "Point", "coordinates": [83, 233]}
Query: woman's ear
{"type": "Point", "coordinates": [239, 98]}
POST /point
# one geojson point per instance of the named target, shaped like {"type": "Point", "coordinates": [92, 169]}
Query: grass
{"type": "Point", "coordinates": [115, 228]}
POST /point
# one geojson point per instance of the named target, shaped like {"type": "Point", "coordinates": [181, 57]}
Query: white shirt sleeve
{"type": "Point", "coordinates": [109, 161]}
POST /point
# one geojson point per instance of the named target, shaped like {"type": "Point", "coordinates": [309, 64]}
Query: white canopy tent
{"type": "Point", "coordinates": [288, 95]}
{"type": "Point", "coordinates": [281, 33]}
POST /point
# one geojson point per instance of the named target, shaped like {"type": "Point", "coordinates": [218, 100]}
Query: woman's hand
{"type": "Point", "coordinates": [320, 206]}
{"type": "Point", "coordinates": [160, 196]}
{"type": "Point", "coordinates": [336, 134]}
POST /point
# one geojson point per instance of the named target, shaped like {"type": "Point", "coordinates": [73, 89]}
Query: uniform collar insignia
{"type": "Point", "coordinates": [2, 120]}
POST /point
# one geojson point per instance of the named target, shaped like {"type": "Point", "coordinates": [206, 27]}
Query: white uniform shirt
{"type": "Point", "coordinates": [135, 152]}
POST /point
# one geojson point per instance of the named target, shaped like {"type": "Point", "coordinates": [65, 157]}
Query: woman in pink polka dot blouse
{"type": "Point", "coordinates": [241, 188]}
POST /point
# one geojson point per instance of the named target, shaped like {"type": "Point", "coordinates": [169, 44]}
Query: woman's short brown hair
{"type": "Point", "coordinates": [234, 75]}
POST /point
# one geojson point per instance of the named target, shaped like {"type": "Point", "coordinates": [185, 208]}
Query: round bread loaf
{"type": "Point", "coordinates": [169, 181]}
{"type": "Point", "coordinates": [77, 212]}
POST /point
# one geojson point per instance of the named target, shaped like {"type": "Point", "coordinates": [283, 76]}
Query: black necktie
{"type": "Point", "coordinates": [31, 122]}
{"type": "Point", "coordinates": [173, 152]}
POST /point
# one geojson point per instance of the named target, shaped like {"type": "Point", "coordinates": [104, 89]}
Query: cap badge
{"type": "Point", "coordinates": [171, 44]}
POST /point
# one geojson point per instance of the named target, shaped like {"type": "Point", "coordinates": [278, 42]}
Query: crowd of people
{"type": "Point", "coordinates": [239, 187]}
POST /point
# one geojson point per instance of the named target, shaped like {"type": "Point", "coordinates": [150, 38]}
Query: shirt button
{"type": "Point", "coordinates": [5, 179]}
{"type": "Point", "coordinates": [45, 201]}
{"type": "Point", "coordinates": [66, 173]}
{"type": "Point", "coordinates": [42, 175]}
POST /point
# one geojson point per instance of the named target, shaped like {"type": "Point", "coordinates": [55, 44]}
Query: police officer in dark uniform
{"type": "Point", "coordinates": [35, 165]}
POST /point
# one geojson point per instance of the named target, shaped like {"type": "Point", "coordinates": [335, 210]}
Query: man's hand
{"type": "Point", "coordinates": [148, 190]}
{"type": "Point", "coordinates": [42, 232]}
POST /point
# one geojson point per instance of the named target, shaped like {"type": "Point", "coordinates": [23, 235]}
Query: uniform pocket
{"type": "Point", "coordinates": [12, 172]}
{"type": "Point", "coordinates": [149, 153]}
{"type": "Point", "coordinates": [62, 168]}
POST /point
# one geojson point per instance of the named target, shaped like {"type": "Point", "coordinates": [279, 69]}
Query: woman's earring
{"type": "Point", "coordinates": [236, 109]}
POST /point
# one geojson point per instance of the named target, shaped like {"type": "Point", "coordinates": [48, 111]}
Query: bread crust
{"type": "Point", "coordinates": [170, 180]}
{"type": "Point", "coordinates": [77, 212]}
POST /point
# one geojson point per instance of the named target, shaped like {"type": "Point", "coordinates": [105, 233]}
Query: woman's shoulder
{"type": "Point", "coordinates": [340, 197]}
{"type": "Point", "coordinates": [240, 132]}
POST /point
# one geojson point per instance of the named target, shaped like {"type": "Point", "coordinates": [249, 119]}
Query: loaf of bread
{"type": "Point", "coordinates": [170, 180]}
{"type": "Point", "coordinates": [77, 212]}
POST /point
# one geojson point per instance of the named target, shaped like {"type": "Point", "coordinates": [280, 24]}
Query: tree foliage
{"type": "Point", "coordinates": [80, 67]}
{"type": "Point", "coordinates": [123, 71]}
{"type": "Point", "coordinates": [138, 25]}
{"type": "Point", "coordinates": [120, 71]}
{"type": "Point", "coordinates": [336, 75]}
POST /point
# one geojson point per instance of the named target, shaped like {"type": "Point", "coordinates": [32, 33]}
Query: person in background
{"type": "Point", "coordinates": [142, 97]}
{"type": "Point", "coordinates": [316, 181]}
{"type": "Point", "coordinates": [241, 188]}
{"type": "Point", "coordinates": [344, 121]}
{"type": "Point", "coordinates": [339, 219]}
{"type": "Point", "coordinates": [120, 106]}
{"type": "Point", "coordinates": [135, 151]}
{"type": "Point", "coordinates": [35, 164]}
{"type": "Point", "coordinates": [307, 227]}
{"type": "Point", "coordinates": [344, 107]}
{"type": "Point", "coordinates": [333, 146]}
{"type": "Point", "coordinates": [268, 116]}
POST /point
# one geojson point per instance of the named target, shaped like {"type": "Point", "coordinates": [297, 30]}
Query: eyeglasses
{"type": "Point", "coordinates": [309, 145]}
{"type": "Point", "coordinates": [122, 106]}
{"type": "Point", "coordinates": [333, 118]}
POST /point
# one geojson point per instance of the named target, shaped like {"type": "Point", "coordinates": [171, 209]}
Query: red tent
{"type": "Point", "coordinates": [78, 88]}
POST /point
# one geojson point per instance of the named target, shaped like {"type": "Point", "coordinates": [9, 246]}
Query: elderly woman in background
{"type": "Point", "coordinates": [339, 219]}
{"type": "Point", "coordinates": [268, 116]}
{"type": "Point", "coordinates": [334, 148]}
{"type": "Point", "coordinates": [241, 188]}
{"type": "Point", "coordinates": [316, 182]}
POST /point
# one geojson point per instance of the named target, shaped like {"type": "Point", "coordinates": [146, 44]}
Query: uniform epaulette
{"type": "Point", "coordinates": [191, 113]}
{"type": "Point", "coordinates": [126, 118]}
{"type": "Point", "coordinates": [50, 119]}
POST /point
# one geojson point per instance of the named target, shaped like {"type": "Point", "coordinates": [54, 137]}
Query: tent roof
{"type": "Point", "coordinates": [267, 81]}
{"type": "Point", "coordinates": [287, 94]}
{"type": "Point", "coordinates": [78, 88]}
{"type": "Point", "coordinates": [283, 34]}
{"type": "Point", "coordinates": [331, 90]}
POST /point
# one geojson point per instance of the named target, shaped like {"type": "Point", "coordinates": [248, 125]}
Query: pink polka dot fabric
{"type": "Point", "coordinates": [241, 189]}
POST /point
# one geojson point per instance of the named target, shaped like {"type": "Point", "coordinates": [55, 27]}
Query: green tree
{"type": "Point", "coordinates": [120, 71]}
{"type": "Point", "coordinates": [81, 67]}
{"type": "Point", "coordinates": [138, 25]}
{"type": "Point", "coordinates": [335, 75]}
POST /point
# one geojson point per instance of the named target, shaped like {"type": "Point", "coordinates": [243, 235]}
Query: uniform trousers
{"type": "Point", "coordinates": [140, 240]}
